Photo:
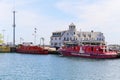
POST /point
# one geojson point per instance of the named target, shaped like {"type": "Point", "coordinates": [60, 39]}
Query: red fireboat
{"type": "Point", "coordinates": [87, 51]}
{"type": "Point", "coordinates": [31, 49]}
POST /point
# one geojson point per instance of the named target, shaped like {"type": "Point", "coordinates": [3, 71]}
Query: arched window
{"type": "Point", "coordinates": [74, 32]}
{"type": "Point", "coordinates": [64, 38]}
{"type": "Point", "coordinates": [67, 39]}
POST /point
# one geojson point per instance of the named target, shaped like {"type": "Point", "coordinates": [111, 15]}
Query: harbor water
{"type": "Point", "coordinates": [15, 66]}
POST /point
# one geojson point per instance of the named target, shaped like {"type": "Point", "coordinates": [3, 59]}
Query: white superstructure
{"type": "Point", "coordinates": [72, 35]}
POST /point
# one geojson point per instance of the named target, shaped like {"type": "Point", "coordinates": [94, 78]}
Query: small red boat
{"type": "Point", "coordinates": [31, 49]}
{"type": "Point", "coordinates": [87, 51]}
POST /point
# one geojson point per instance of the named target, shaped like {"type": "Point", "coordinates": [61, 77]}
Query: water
{"type": "Point", "coordinates": [14, 66]}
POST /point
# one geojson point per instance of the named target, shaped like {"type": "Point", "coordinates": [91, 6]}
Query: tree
{"type": "Point", "coordinates": [1, 41]}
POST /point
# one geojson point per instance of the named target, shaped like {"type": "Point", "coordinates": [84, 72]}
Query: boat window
{"type": "Point", "coordinates": [68, 45]}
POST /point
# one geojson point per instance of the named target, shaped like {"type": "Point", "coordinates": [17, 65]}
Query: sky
{"type": "Point", "coordinates": [48, 16]}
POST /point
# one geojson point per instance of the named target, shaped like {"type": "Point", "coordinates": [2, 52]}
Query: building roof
{"type": "Point", "coordinates": [72, 24]}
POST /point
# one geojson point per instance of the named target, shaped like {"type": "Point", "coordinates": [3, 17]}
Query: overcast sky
{"type": "Point", "coordinates": [55, 15]}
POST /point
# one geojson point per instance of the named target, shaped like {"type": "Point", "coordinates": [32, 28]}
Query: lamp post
{"type": "Point", "coordinates": [40, 41]}
{"type": "Point", "coordinates": [35, 31]}
{"type": "Point", "coordinates": [21, 39]}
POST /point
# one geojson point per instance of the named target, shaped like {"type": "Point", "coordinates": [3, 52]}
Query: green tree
{"type": "Point", "coordinates": [1, 41]}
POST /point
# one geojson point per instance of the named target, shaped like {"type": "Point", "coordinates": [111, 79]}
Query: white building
{"type": "Point", "coordinates": [72, 35]}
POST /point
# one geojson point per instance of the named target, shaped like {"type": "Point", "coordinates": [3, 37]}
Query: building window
{"type": "Point", "coordinates": [84, 35]}
{"type": "Point", "coordinates": [55, 38]}
{"type": "Point", "coordinates": [67, 39]}
{"type": "Point", "coordinates": [74, 32]}
{"type": "Point", "coordinates": [51, 43]}
{"type": "Point", "coordinates": [76, 38]}
{"type": "Point", "coordinates": [64, 38]}
{"type": "Point", "coordinates": [55, 44]}
{"type": "Point", "coordinates": [67, 33]}
{"type": "Point", "coordinates": [87, 39]}
{"type": "Point", "coordinates": [97, 39]}
{"type": "Point", "coordinates": [59, 44]}
{"type": "Point", "coordinates": [59, 38]}
{"type": "Point", "coordinates": [57, 34]}
{"type": "Point", "coordinates": [70, 38]}
{"type": "Point", "coordinates": [89, 35]}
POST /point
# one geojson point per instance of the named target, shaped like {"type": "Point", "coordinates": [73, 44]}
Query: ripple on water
{"type": "Point", "coordinates": [53, 67]}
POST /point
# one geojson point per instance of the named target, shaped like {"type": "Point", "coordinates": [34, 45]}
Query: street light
{"type": "Point", "coordinates": [35, 31]}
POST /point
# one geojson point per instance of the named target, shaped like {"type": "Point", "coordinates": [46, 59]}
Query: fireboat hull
{"type": "Point", "coordinates": [88, 55]}
{"type": "Point", "coordinates": [31, 50]}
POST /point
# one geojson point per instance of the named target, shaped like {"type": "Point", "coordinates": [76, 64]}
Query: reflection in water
{"type": "Point", "coordinates": [53, 67]}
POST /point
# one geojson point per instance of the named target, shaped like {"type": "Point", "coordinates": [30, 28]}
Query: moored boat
{"type": "Point", "coordinates": [4, 49]}
{"type": "Point", "coordinates": [31, 49]}
{"type": "Point", "coordinates": [87, 51]}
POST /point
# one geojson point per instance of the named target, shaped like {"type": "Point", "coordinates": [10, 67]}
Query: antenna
{"type": "Point", "coordinates": [14, 5]}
